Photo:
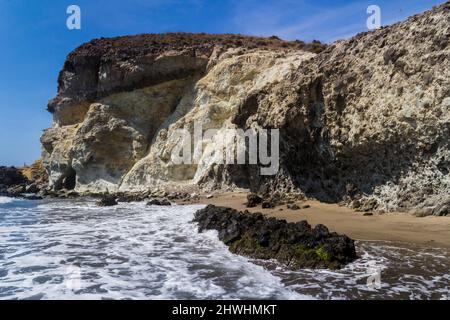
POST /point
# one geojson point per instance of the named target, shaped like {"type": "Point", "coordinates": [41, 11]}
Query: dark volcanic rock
{"type": "Point", "coordinates": [157, 202]}
{"type": "Point", "coordinates": [11, 176]}
{"type": "Point", "coordinates": [79, 80]}
{"type": "Point", "coordinates": [268, 204]}
{"type": "Point", "coordinates": [253, 200]}
{"type": "Point", "coordinates": [32, 188]}
{"type": "Point", "coordinates": [295, 244]}
{"type": "Point", "coordinates": [33, 197]}
{"type": "Point", "coordinates": [293, 206]}
{"type": "Point", "coordinates": [132, 197]}
{"type": "Point", "coordinates": [107, 201]}
{"type": "Point", "coordinates": [14, 182]}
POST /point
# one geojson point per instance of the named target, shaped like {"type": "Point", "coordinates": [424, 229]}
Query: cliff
{"type": "Point", "coordinates": [365, 121]}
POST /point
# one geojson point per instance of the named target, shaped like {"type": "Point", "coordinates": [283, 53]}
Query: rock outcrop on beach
{"type": "Point", "coordinates": [11, 181]}
{"type": "Point", "coordinates": [15, 182]}
{"type": "Point", "coordinates": [365, 120]}
{"type": "Point", "coordinates": [21, 182]}
{"type": "Point", "coordinates": [296, 245]}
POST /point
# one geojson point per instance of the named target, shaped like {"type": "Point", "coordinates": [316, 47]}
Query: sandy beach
{"type": "Point", "coordinates": [428, 231]}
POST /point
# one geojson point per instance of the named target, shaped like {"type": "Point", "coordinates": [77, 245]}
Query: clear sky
{"type": "Point", "coordinates": [34, 42]}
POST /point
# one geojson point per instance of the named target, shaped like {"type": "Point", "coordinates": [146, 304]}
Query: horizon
{"type": "Point", "coordinates": [37, 42]}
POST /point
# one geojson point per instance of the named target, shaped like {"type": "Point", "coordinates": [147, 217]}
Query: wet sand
{"type": "Point", "coordinates": [399, 227]}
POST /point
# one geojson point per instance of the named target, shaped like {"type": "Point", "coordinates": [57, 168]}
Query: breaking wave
{"type": "Point", "coordinates": [61, 249]}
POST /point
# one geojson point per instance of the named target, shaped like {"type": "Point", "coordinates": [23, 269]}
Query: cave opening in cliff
{"type": "Point", "coordinates": [67, 181]}
{"type": "Point", "coordinates": [70, 180]}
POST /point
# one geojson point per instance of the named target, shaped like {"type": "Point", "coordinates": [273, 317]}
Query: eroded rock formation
{"type": "Point", "coordinates": [121, 100]}
{"type": "Point", "coordinates": [364, 121]}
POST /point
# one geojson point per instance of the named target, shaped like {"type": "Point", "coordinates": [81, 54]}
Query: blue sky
{"type": "Point", "coordinates": [35, 41]}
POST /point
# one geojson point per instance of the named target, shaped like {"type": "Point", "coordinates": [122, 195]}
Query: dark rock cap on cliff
{"type": "Point", "coordinates": [78, 81]}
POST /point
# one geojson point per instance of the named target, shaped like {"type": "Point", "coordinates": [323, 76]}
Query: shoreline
{"type": "Point", "coordinates": [404, 228]}
{"type": "Point", "coordinates": [430, 231]}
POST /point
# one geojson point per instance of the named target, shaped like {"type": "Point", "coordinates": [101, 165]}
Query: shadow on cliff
{"type": "Point", "coordinates": [329, 176]}
{"type": "Point", "coordinates": [316, 169]}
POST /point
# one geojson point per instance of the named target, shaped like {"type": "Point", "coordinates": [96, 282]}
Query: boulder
{"type": "Point", "coordinates": [268, 204]}
{"type": "Point", "coordinates": [293, 206]}
{"type": "Point", "coordinates": [107, 201]}
{"type": "Point", "coordinates": [159, 202]}
{"type": "Point", "coordinates": [32, 188]}
{"type": "Point", "coordinates": [253, 200]}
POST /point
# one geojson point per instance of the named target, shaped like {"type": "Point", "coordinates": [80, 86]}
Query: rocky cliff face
{"type": "Point", "coordinates": [120, 102]}
{"type": "Point", "coordinates": [365, 121]}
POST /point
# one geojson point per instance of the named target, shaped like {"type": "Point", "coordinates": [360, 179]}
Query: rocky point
{"type": "Point", "coordinates": [296, 245]}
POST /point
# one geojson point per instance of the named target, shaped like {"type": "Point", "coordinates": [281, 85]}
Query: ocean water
{"type": "Point", "coordinates": [72, 249]}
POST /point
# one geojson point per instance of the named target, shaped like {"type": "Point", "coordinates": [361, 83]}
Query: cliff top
{"type": "Point", "coordinates": [154, 44]}
{"type": "Point", "coordinates": [78, 81]}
